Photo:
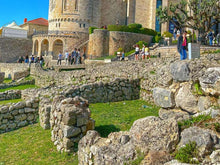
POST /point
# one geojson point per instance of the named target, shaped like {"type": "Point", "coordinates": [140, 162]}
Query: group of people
{"type": "Point", "coordinates": [176, 33]}
{"type": "Point", "coordinates": [71, 58]}
{"type": "Point", "coordinates": [212, 38]}
{"type": "Point", "coordinates": [182, 45]}
{"type": "Point", "coordinates": [31, 59]}
{"type": "Point", "coordinates": [143, 53]}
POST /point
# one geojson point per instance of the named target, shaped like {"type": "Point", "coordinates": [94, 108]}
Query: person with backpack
{"type": "Point", "coordinates": [73, 58]}
{"type": "Point", "coordinates": [210, 37]}
{"type": "Point", "coordinates": [182, 46]}
{"type": "Point", "coordinates": [59, 58]}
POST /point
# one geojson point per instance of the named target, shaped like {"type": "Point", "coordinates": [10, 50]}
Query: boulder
{"type": "Point", "coordinates": [204, 139]}
{"type": "Point", "coordinates": [176, 114]}
{"type": "Point", "coordinates": [180, 71]}
{"type": "Point", "coordinates": [210, 81]}
{"type": "Point", "coordinates": [163, 97]}
{"type": "Point", "coordinates": [156, 157]}
{"type": "Point", "coordinates": [152, 133]}
{"type": "Point", "coordinates": [215, 157]}
{"type": "Point", "coordinates": [185, 99]}
{"type": "Point", "coordinates": [2, 77]}
{"type": "Point", "coordinates": [164, 78]}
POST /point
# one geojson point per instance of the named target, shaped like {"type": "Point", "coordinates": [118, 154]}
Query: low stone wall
{"type": "Point", "coordinates": [118, 90]}
{"type": "Point", "coordinates": [10, 95]}
{"type": "Point", "coordinates": [17, 115]}
{"type": "Point", "coordinates": [14, 70]}
{"type": "Point", "coordinates": [70, 121]}
{"type": "Point", "coordinates": [15, 84]}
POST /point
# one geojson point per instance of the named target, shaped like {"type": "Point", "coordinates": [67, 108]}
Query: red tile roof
{"type": "Point", "coordinates": [39, 21]}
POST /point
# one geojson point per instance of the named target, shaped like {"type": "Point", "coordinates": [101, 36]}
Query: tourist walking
{"type": "Point", "coordinates": [41, 59]}
{"type": "Point", "coordinates": [66, 57]}
{"type": "Point", "coordinates": [73, 57]}
{"type": "Point", "coordinates": [69, 58]}
{"type": "Point", "coordinates": [79, 59]}
{"type": "Point", "coordinates": [182, 46]}
{"type": "Point", "coordinates": [123, 56]}
{"type": "Point", "coordinates": [174, 33]}
{"type": "Point", "coordinates": [143, 52]}
{"type": "Point", "coordinates": [147, 52]}
{"type": "Point", "coordinates": [59, 58]}
{"type": "Point", "coordinates": [218, 39]}
{"type": "Point", "coordinates": [210, 37]}
{"type": "Point", "coordinates": [137, 51]}
{"type": "Point", "coordinates": [32, 58]}
{"type": "Point", "coordinates": [178, 33]}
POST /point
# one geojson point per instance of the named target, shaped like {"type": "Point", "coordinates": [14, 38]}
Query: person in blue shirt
{"type": "Point", "coordinates": [59, 58]}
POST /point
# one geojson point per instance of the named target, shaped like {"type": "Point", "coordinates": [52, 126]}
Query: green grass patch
{"type": "Point", "coordinates": [10, 101]}
{"type": "Point", "coordinates": [21, 87]}
{"type": "Point", "coordinates": [119, 116]}
{"type": "Point", "coordinates": [187, 153]}
{"type": "Point", "coordinates": [138, 160]}
{"type": "Point", "coordinates": [217, 127]}
{"type": "Point", "coordinates": [28, 78]}
{"type": "Point", "coordinates": [129, 53]}
{"type": "Point", "coordinates": [197, 89]}
{"type": "Point", "coordinates": [193, 121]}
{"type": "Point", "coordinates": [32, 145]}
{"type": "Point", "coordinates": [7, 81]}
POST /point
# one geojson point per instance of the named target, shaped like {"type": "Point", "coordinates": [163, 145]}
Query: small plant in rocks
{"type": "Point", "coordinates": [188, 153]}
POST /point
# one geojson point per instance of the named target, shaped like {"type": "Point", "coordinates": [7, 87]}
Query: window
{"type": "Point", "coordinates": [80, 25]}
{"type": "Point", "coordinates": [84, 25]}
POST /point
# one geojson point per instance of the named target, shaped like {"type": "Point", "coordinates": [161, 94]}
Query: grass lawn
{"type": "Point", "coordinates": [10, 101]}
{"type": "Point", "coordinates": [119, 116]}
{"type": "Point", "coordinates": [33, 145]}
{"type": "Point", "coordinates": [7, 81]}
{"type": "Point", "coordinates": [21, 87]}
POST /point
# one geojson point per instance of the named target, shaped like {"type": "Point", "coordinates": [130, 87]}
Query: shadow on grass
{"type": "Point", "coordinates": [105, 130]}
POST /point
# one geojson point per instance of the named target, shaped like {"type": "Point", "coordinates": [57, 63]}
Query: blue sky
{"type": "Point", "coordinates": [17, 10]}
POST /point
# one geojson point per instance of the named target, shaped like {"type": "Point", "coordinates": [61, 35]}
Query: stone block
{"type": "Point", "coordinates": [163, 97]}
{"type": "Point", "coordinates": [71, 131]}
{"type": "Point", "coordinates": [2, 77]}
{"type": "Point", "coordinates": [180, 71]}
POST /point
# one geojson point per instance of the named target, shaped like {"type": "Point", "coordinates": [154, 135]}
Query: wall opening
{"type": "Point", "coordinates": [57, 48]}
{"type": "Point", "coordinates": [44, 47]}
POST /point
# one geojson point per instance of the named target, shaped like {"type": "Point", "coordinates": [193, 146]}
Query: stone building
{"type": "Point", "coordinates": [69, 21]}
{"type": "Point", "coordinates": [36, 25]}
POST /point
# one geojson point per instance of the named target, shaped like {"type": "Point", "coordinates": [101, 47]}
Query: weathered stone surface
{"type": "Point", "coordinates": [156, 157]}
{"type": "Point", "coordinates": [204, 139]}
{"type": "Point", "coordinates": [70, 131]}
{"type": "Point", "coordinates": [213, 112]}
{"type": "Point", "coordinates": [176, 162]}
{"type": "Point", "coordinates": [164, 77]}
{"type": "Point", "coordinates": [152, 133]}
{"type": "Point", "coordinates": [185, 99]}
{"type": "Point", "coordinates": [210, 81]}
{"type": "Point", "coordinates": [205, 103]}
{"type": "Point", "coordinates": [2, 76]}
{"type": "Point", "coordinates": [215, 157]}
{"type": "Point", "coordinates": [176, 114]}
{"type": "Point", "coordinates": [180, 71]}
{"type": "Point", "coordinates": [163, 97]}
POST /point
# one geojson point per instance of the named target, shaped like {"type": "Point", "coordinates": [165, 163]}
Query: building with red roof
{"type": "Point", "coordinates": [36, 25]}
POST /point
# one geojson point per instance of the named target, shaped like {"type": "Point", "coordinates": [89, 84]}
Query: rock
{"type": "Point", "coordinates": [205, 103]}
{"type": "Point", "coordinates": [180, 71]}
{"type": "Point", "coordinates": [210, 81]}
{"type": "Point", "coordinates": [186, 100]}
{"type": "Point", "coordinates": [164, 77]}
{"type": "Point", "coordinates": [213, 112]}
{"type": "Point", "coordinates": [215, 157]}
{"type": "Point", "coordinates": [163, 98]}
{"type": "Point", "coordinates": [176, 162]}
{"type": "Point", "coordinates": [156, 157]}
{"type": "Point", "coordinates": [204, 139]}
{"type": "Point", "coordinates": [2, 77]}
{"type": "Point", "coordinates": [176, 114]}
{"type": "Point", "coordinates": [152, 133]}
{"type": "Point", "coordinates": [70, 131]}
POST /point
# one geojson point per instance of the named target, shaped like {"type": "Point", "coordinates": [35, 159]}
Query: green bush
{"type": "Point", "coordinates": [174, 42]}
{"type": "Point", "coordinates": [187, 153]}
{"type": "Point", "coordinates": [91, 29]}
{"type": "Point", "coordinates": [133, 28]}
{"type": "Point", "coordinates": [129, 53]}
{"type": "Point", "coordinates": [120, 49]}
{"type": "Point", "coordinates": [135, 25]}
{"type": "Point", "coordinates": [167, 34]}
{"type": "Point", "coordinates": [156, 39]}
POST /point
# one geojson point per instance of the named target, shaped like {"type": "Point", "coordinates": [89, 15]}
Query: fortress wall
{"type": "Point", "coordinates": [12, 48]}
{"type": "Point", "coordinates": [103, 43]}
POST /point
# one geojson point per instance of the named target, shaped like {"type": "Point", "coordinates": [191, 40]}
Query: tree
{"type": "Point", "coordinates": [199, 15]}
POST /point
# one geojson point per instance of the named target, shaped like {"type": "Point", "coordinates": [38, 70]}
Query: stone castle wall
{"type": "Point", "coordinates": [103, 42]}
{"type": "Point", "coordinates": [12, 48]}
{"type": "Point", "coordinates": [17, 115]}
{"type": "Point", "coordinates": [10, 95]}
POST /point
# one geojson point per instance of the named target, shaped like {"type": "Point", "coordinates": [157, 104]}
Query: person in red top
{"type": "Point", "coordinates": [182, 46]}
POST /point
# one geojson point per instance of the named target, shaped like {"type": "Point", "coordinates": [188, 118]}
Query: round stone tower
{"type": "Point", "coordinates": [70, 15]}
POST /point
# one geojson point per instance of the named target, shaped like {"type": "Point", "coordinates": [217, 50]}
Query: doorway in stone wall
{"type": "Point", "coordinates": [57, 48]}
{"type": "Point", "coordinates": [44, 47]}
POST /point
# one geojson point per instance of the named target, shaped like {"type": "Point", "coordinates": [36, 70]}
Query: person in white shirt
{"type": "Point", "coordinates": [137, 51]}
{"type": "Point", "coordinates": [66, 57]}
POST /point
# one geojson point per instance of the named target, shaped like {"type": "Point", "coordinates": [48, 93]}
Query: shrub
{"type": "Point", "coordinates": [135, 25]}
{"type": "Point", "coordinates": [156, 39]}
{"type": "Point", "coordinates": [91, 29]}
{"type": "Point", "coordinates": [141, 43]}
{"type": "Point", "coordinates": [187, 153]}
{"type": "Point", "coordinates": [129, 53]}
{"type": "Point", "coordinates": [174, 42]}
{"type": "Point", "coordinates": [120, 49]}
{"type": "Point", "coordinates": [167, 34]}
